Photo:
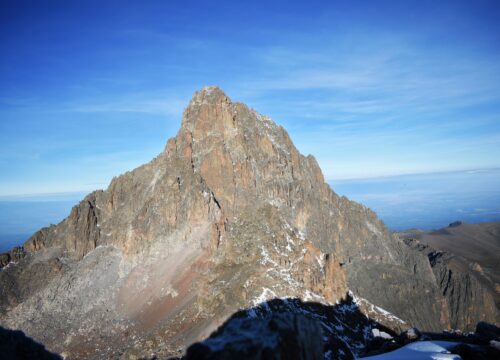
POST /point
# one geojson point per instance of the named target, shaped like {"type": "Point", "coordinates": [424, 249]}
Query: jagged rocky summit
{"type": "Point", "coordinates": [228, 216]}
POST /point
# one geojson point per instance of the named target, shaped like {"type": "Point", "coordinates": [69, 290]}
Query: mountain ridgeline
{"type": "Point", "coordinates": [230, 215]}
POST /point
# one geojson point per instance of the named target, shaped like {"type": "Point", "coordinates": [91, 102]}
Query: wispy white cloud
{"type": "Point", "coordinates": [166, 106]}
{"type": "Point", "coordinates": [162, 102]}
{"type": "Point", "coordinates": [380, 79]}
{"type": "Point", "coordinates": [364, 104]}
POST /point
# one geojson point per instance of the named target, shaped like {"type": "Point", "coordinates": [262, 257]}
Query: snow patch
{"type": "Point", "coordinates": [373, 308]}
{"type": "Point", "coordinates": [289, 243]}
{"type": "Point", "coordinates": [420, 350]}
{"type": "Point", "coordinates": [321, 261]}
{"type": "Point", "coordinates": [312, 296]}
{"type": "Point", "coordinates": [376, 333]}
{"type": "Point", "coordinates": [266, 294]}
{"type": "Point", "coordinates": [265, 257]}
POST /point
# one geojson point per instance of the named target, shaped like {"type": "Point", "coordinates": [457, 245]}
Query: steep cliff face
{"type": "Point", "coordinates": [468, 294]}
{"type": "Point", "coordinates": [229, 215]}
{"type": "Point", "coordinates": [476, 246]}
{"type": "Point", "coordinates": [468, 300]}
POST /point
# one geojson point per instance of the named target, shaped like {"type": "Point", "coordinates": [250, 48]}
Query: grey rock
{"type": "Point", "coordinates": [412, 334]}
{"type": "Point", "coordinates": [13, 255]}
{"type": "Point", "coordinates": [469, 297]}
{"type": "Point", "coordinates": [4, 259]}
{"type": "Point", "coordinates": [477, 246]}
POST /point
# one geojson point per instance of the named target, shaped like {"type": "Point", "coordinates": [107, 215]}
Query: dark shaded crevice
{"type": "Point", "coordinates": [215, 200]}
{"type": "Point", "coordinates": [15, 345]}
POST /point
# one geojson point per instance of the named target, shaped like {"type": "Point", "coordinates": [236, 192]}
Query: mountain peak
{"type": "Point", "coordinates": [208, 95]}
{"type": "Point", "coordinates": [230, 216]}
{"type": "Point", "coordinates": [209, 111]}
{"type": "Point", "coordinates": [212, 112]}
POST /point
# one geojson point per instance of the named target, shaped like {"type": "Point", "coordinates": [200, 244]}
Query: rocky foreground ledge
{"type": "Point", "coordinates": [290, 329]}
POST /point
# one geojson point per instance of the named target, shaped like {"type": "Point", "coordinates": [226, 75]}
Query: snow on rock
{"type": "Point", "coordinates": [311, 296]}
{"type": "Point", "coordinates": [381, 334]}
{"type": "Point", "coordinates": [377, 313]}
{"type": "Point", "coordinates": [345, 329]}
{"type": "Point", "coordinates": [421, 350]}
{"type": "Point", "coordinates": [266, 294]}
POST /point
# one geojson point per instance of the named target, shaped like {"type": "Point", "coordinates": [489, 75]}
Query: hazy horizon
{"type": "Point", "coordinates": [80, 193]}
{"type": "Point", "coordinates": [427, 201]}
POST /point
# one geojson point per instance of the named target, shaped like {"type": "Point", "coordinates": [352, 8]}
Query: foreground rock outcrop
{"type": "Point", "coordinates": [291, 329]}
{"type": "Point", "coordinates": [15, 345]}
{"type": "Point", "coordinates": [13, 255]}
{"type": "Point", "coordinates": [228, 216]}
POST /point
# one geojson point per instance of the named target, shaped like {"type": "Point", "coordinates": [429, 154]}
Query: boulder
{"type": "Point", "coordinates": [281, 336]}
{"type": "Point", "coordinates": [488, 330]}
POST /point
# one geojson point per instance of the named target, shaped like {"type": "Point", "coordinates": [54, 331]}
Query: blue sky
{"type": "Point", "coordinates": [371, 88]}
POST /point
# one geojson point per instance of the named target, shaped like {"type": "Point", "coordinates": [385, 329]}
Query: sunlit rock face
{"type": "Point", "coordinates": [229, 215]}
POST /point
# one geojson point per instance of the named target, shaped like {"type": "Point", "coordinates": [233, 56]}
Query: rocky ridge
{"type": "Point", "coordinates": [290, 329]}
{"type": "Point", "coordinates": [469, 292]}
{"type": "Point", "coordinates": [228, 216]}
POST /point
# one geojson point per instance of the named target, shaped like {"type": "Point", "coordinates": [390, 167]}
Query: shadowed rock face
{"type": "Point", "coordinates": [291, 329]}
{"type": "Point", "coordinates": [230, 214]}
{"type": "Point", "coordinates": [15, 345]}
